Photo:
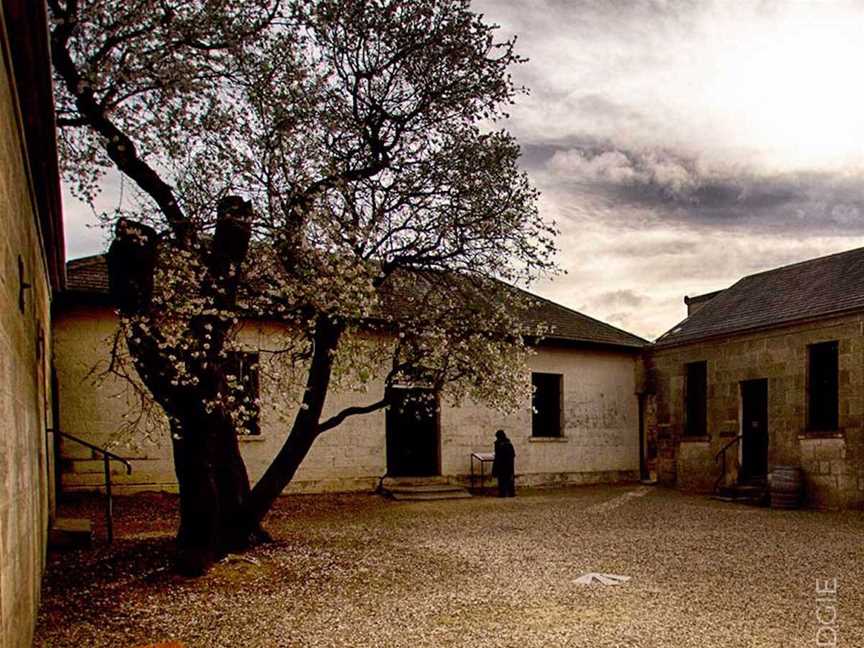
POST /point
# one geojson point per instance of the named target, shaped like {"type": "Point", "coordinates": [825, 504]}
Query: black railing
{"type": "Point", "coordinates": [107, 457]}
{"type": "Point", "coordinates": [722, 454]}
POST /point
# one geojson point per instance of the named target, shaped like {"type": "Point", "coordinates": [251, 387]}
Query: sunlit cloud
{"type": "Point", "coordinates": [682, 145]}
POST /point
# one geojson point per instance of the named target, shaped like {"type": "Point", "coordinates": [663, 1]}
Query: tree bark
{"type": "Point", "coordinates": [306, 426]}
{"type": "Point", "coordinates": [214, 488]}
{"type": "Point", "coordinates": [211, 474]}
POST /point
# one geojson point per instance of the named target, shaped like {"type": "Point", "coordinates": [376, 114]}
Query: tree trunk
{"type": "Point", "coordinates": [218, 512]}
{"type": "Point", "coordinates": [211, 474]}
{"type": "Point", "coordinates": [212, 478]}
{"type": "Point", "coordinates": [305, 429]}
{"type": "Point", "coordinates": [214, 489]}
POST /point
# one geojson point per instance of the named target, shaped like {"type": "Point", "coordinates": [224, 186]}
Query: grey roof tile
{"type": "Point", "coordinates": [88, 276]}
{"type": "Point", "coordinates": [810, 289]}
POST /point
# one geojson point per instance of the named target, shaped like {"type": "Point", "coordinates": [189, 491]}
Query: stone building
{"type": "Point", "coordinates": [585, 430]}
{"type": "Point", "coordinates": [31, 270]}
{"type": "Point", "coordinates": [768, 372]}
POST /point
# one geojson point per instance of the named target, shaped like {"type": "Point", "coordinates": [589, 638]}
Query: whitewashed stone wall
{"type": "Point", "coordinates": [600, 440]}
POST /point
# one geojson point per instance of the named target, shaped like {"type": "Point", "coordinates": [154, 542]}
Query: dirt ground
{"type": "Point", "coordinates": [363, 571]}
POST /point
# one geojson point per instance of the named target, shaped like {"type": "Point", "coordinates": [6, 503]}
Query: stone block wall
{"type": "Point", "coordinates": [833, 463]}
{"type": "Point", "coordinates": [25, 348]}
{"type": "Point", "coordinates": [830, 480]}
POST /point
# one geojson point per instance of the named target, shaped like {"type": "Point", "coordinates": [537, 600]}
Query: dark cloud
{"type": "Point", "coordinates": [537, 153]}
{"type": "Point", "coordinates": [673, 153]}
{"type": "Point", "coordinates": [677, 188]}
{"type": "Point", "coordinates": [649, 250]}
{"type": "Point", "coordinates": [535, 156]}
{"type": "Point", "coordinates": [619, 298]}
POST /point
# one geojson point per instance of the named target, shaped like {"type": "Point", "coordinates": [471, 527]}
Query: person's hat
{"type": "Point", "coordinates": [500, 434]}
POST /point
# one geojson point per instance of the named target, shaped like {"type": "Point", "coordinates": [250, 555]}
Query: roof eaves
{"type": "Point", "coordinates": [683, 341]}
{"type": "Point", "coordinates": [553, 340]}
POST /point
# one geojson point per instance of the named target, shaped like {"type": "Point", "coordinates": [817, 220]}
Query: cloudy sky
{"type": "Point", "coordinates": [678, 145]}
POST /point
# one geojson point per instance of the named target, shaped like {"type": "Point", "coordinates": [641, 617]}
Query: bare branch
{"type": "Point", "coordinates": [337, 419]}
{"type": "Point", "coordinates": [118, 145]}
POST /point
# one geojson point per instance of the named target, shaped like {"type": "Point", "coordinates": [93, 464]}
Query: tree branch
{"type": "Point", "coordinates": [69, 122]}
{"type": "Point", "coordinates": [337, 419]}
{"type": "Point", "coordinates": [118, 145]}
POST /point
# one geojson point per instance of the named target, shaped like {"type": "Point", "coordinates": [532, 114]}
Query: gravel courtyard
{"type": "Point", "coordinates": [362, 571]}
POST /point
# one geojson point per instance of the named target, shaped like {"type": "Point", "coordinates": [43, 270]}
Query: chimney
{"type": "Point", "coordinates": [697, 303]}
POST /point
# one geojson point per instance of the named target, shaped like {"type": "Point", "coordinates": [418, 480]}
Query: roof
{"type": "Point", "coordinates": [87, 282]}
{"type": "Point", "coordinates": [87, 275]}
{"type": "Point", "coordinates": [822, 287]}
{"type": "Point", "coordinates": [571, 325]}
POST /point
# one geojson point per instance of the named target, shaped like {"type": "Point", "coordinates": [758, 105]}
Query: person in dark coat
{"type": "Point", "coordinates": [503, 467]}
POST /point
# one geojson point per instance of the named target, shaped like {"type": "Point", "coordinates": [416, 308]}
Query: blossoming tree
{"type": "Point", "coordinates": [332, 164]}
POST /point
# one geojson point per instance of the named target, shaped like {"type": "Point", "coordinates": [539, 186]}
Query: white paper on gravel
{"type": "Point", "coordinates": [602, 579]}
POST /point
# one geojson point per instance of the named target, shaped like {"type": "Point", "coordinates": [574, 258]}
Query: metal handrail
{"type": "Point", "coordinates": [107, 457]}
{"type": "Point", "coordinates": [722, 453]}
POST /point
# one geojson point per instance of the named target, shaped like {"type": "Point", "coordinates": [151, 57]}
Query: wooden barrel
{"type": "Point", "coordinates": [786, 487]}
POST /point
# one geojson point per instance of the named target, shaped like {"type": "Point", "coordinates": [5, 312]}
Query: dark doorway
{"type": "Point", "coordinates": [754, 423]}
{"type": "Point", "coordinates": [412, 433]}
{"type": "Point", "coordinates": [643, 441]}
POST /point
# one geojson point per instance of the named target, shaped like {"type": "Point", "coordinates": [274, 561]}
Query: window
{"type": "Point", "coordinates": [822, 386]}
{"type": "Point", "coordinates": [696, 396]}
{"type": "Point", "coordinates": [244, 385]}
{"type": "Point", "coordinates": [546, 404]}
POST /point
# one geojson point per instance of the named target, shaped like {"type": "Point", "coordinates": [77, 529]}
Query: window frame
{"type": "Point", "coordinates": [540, 429]}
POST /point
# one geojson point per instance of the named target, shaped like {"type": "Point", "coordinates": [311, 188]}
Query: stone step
{"type": "Point", "coordinates": [459, 493]}
{"type": "Point", "coordinates": [398, 482]}
{"type": "Point", "coordinates": [422, 488]}
{"type": "Point", "coordinates": [70, 533]}
{"type": "Point", "coordinates": [742, 493]}
{"type": "Point", "coordinates": [425, 488]}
